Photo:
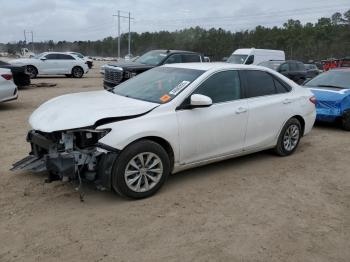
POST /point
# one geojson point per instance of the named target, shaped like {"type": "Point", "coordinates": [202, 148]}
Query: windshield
{"type": "Point", "coordinates": [78, 55]}
{"type": "Point", "coordinates": [237, 59]}
{"type": "Point", "coordinates": [333, 78]}
{"type": "Point", "coordinates": [272, 64]}
{"type": "Point", "coordinates": [152, 58]}
{"type": "Point", "coordinates": [159, 85]}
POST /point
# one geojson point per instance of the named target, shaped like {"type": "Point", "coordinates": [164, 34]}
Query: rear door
{"type": "Point", "coordinates": [269, 104]}
{"type": "Point", "coordinates": [214, 131]}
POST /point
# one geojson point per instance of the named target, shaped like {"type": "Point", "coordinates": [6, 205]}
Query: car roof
{"type": "Point", "coordinates": [175, 51]}
{"type": "Point", "coordinates": [213, 66]}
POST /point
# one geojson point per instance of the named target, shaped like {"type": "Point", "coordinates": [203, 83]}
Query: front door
{"type": "Point", "coordinates": [218, 130]}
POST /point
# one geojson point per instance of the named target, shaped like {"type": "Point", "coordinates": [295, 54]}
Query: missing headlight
{"type": "Point", "coordinates": [85, 138]}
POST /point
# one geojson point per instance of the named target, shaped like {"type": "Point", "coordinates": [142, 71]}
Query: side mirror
{"type": "Point", "coordinates": [43, 59]}
{"type": "Point", "coordinates": [200, 101]}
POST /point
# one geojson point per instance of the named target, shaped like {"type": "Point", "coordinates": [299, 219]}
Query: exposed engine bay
{"type": "Point", "coordinates": [70, 155]}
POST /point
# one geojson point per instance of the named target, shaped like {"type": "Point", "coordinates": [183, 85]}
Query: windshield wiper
{"type": "Point", "coordinates": [332, 86]}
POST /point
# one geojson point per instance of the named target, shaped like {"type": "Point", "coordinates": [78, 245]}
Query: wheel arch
{"type": "Point", "coordinates": [302, 122]}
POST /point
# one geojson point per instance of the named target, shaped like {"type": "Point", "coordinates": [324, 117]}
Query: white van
{"type": "Point", "coordinates": [252, 56]}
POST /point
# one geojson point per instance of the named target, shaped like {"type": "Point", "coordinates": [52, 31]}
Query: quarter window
{"type": "Point", "coordinates": [259, 83]}
{"type": "Point", "coordinates": [221, 87]}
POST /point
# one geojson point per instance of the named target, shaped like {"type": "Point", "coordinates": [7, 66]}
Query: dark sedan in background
{"type": "Point", "coordinates": [20, 76]}
{"type": "Point", "coordinates": [294, 70]}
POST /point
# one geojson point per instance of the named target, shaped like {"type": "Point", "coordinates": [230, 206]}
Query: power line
{"type": "Point", "coordinates": [130, 18]}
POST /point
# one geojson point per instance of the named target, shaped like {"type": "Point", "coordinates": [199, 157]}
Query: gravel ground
{"type": "Point", "coordinates": [255, 208]}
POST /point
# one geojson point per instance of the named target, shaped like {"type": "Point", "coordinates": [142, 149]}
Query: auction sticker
{"type": "Point", "coordinates": [165, 98]}
{"type": "Point", "coordinates": [179, 88]}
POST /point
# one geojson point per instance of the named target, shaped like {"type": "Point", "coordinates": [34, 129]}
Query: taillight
{"type": "Point", "coordinates": [7, 76]}
{"type": "Point", "coordinates": [313, 100]}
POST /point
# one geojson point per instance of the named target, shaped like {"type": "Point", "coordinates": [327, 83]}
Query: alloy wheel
{"type": "Point", "coordinates": [143, 172]}
{"type": "Point", "coordinates": [291, 137]}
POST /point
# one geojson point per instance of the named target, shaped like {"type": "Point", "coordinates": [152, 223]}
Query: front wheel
{"type": "Point", "coordinates": [31, 71]}
{"type": "Point", "coordinates": [140, 170]}
{"type": "Point", "coordinates": [77, 72]}
{"type": "Point", "coordinates": [289, 138]}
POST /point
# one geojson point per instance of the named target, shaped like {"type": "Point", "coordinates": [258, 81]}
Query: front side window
{"type": "Point", "coordinates": [152, 58]}
{"type": "Point", "coordinates": [221, 87]}
{"type": "Point", "coordinates": [250, 60]}
{"type": "Point", "coordinates": [176, 58]}
{"type": "Point", "coordinates": [51, 56]}
{"type": "Point", "coordinates": [258, 83]}
{"type": "Point", "coordinates": [159, 85]}
{"type": "Point", "coordinates": [237, 59]}
{"type": "Point", "coordinates": [284, 67]}
{"type": "Point", "coordinates": [188, 58]}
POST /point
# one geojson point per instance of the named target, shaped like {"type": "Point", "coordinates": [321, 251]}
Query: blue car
{"type": "Point", "coordinates": [332, 91]}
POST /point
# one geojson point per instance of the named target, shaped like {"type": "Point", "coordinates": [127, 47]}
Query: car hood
{"type": "Point", "coordinates": [131, 65]}
{"type": "Point", "coordinates": [85, 109]}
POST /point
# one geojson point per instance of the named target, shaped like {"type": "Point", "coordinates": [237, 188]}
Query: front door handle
{"type": "Point", "coordinates": [241, 110]}
{"type": "Point", "coordinates": [287, 101]}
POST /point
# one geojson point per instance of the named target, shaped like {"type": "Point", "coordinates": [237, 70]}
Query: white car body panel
{"type": "Point", "coordinates": [8, 90]}
{"type": "Point", "coordinates": [197, 136]}
{"type": "Point", "coordinates": [52, 67]}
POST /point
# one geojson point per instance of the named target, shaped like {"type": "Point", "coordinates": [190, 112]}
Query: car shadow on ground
{"type": "Point", "coordinates": [9, 106]}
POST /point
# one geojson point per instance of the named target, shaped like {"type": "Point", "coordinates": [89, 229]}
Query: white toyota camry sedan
{"type": "Point", "coordinates": [165, 120]}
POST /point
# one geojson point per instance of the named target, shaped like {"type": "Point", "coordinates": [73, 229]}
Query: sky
{"type": "Point", "coordinates": [93, 19]}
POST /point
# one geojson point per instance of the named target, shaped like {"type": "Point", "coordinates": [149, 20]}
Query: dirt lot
{"type": "Point", "coordinates": [256, 208]}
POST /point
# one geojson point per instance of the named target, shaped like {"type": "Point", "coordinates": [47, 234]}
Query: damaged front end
{"type": "Point", "coordinates": [70, 155]}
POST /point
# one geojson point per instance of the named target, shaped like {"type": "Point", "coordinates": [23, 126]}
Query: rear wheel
{"type": "Point", "coordinates": [77, 72]}
{"type": "Point", "coordinates": [346, 121]}
{"type": "Point", "coordinates": [289, 138]}
{"type": "Point", "coordinates": [140, 170]}
{"type": "Point", "coordinates": [32, 71]}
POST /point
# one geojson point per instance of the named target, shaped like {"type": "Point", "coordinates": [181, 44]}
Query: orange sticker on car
{"type": "Point", "coordinates": [165, 98]}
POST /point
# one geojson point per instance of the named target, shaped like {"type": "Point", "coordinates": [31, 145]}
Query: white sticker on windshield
{"type": "Point", "coordinates": [179, 88]}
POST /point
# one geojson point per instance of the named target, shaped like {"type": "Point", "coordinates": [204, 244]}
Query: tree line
{"type": "Point", "coordinates": [327, 38]}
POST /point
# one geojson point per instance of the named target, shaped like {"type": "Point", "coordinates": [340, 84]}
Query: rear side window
{"type": "Point", "coordinates": [258, 83]}
{"type": "Point", "coordinates": [65, 57]}
{"type": "Point", "coordinates": [187, 58]}
{"type": "Point", "coordinates": [284, 67]}
{"type": "Point", "coordinates": [221, 87]}
{"type": "Point", "coordinates": [281, 88]}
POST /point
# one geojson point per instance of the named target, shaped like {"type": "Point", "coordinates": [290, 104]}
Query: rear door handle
{"type": "Point", "coordinates": [241, 110]}
{"type": "Point", "coordinates": [287, 101]}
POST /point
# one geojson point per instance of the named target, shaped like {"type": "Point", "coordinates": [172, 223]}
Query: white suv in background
{"type": "Point", "coordinates": [53, 63]}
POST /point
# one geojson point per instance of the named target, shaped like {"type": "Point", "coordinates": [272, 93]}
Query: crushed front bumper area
{"type": "Point", "coordinates": [59, 155]}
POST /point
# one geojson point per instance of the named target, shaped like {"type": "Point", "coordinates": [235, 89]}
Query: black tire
{"type": "Point", "coordinates": [77, 72]}
{"type": "Point", "coordinates": [285, 139]}
{"type": "Point", "coordinates": [346, 121]}
{"type": "Point", "coordinates": [122, 165]}
{"type": "Point", "coordinates": [32, 71]}
{"type": "Point", "coordinates": [68, 75]}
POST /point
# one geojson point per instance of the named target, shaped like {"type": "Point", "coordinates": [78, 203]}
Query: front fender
{"type": "Point", "coordinates": [125, 132]}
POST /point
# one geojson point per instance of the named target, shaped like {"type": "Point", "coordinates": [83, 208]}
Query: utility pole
{"type": "Point", "coordinates": [32, 42]}
{"type": "Point", "coordinates": [25, 37]}
{"type": "Point", "coordinates": [130, 18]}
{"type": "Point", "coordinates": [129, 46]}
